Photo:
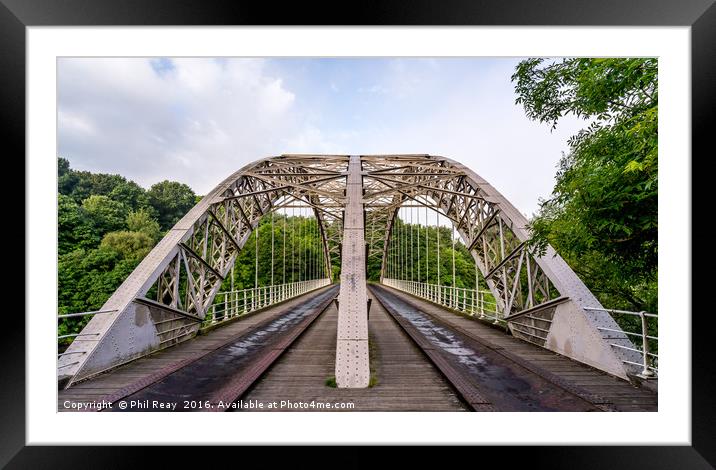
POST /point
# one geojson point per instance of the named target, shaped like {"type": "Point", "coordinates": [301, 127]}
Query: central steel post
{"type": "Point", "coordinates": [352, 367]}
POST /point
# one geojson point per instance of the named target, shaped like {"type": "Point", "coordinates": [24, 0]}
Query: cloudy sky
{"type": "Point", "coordinates": [197, 120]}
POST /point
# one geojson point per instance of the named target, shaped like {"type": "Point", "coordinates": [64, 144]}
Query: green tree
{"type": "Point", "coordinates": [302, 243]}
{"type": "Point", "coordinates": [94, 207]}
{"type": "Point", "coordinates": [128, 244]}
{"type": "Point", "coordinates": [67, 179]}
{"type": "Point", "coordinates": [74, 228]}
{"type": "Point", "coordinates": [602, 214]}
{"type": "Point", "coordinates": [107, 214]}
{"type": "Point", "coordinates": [171, 200]}
{"type": "Point", "coordinates": [142, 221]}
{"type": "Point", "coordinates": [82, 184]}
{"type": "Point", "coordinates": [86, 279]}
{"type": "Point", "coordinates": [131, 195]}
{"type": "Point", "coordinates": [63, 167]}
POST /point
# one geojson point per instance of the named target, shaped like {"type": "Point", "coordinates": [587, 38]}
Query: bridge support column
{"type": "Point", "coordinates": [352, 367]}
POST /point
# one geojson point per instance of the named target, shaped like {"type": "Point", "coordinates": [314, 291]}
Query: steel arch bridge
{"type": "Point", "coordinates": [355, 201]}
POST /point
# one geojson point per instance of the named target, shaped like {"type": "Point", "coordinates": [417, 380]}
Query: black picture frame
{"type": "Point", "coordinates": [700, 15]}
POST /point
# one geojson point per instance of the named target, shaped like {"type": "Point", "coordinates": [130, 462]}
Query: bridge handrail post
{"type": "Point", "coordinates": [646, 372]}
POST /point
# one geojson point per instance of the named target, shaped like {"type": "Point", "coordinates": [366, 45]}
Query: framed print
{"type": "Point", "coordinates": [443, 223]}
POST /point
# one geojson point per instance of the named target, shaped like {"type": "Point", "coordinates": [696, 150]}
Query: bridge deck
{"type": "Point", "coordinates": [621, 395]}
{"type": "Point", "coordinates": [406, 380]}
{"type": "Point", "coordinates": [149, 368]}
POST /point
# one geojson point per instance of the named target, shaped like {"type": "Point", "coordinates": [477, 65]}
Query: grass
{"type": "Point", "coordinates": [331, 381]}
{"type": "Point", "coordinates": [372, 352]}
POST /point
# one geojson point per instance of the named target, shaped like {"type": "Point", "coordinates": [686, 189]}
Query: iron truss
{"type": "Point", "coordinates": [167, 296]}
{"type": "Point", "coordinates": [497, 241]}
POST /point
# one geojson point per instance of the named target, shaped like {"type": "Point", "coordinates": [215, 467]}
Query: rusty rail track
{"type": "Point", "coordinates": [218, 378]}
{"type": "Point", "coordinates": [487, 377]}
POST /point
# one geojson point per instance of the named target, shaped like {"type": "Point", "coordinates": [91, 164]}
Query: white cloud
{"type": "Point", "coordinates": [70, 123]}
{"type": "Point", "coordinates": [195, 122]}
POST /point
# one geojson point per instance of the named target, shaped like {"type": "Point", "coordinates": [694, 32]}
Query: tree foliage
{"type": "Point", "coordinates": [142, 221]}
{"type": "Point", "coordinates": [106, 225]}
{"type": "Point", "coordinates": [106, 213]}
{"type": "Point", "coordinates": [128, 244]}
{"type": "Point", "coordinates": [418, 257]}
{"type": "Point", "coordinates": [602, 214]}
{"type": "Point", "coordinates": [171, 200]}
{"type": "Point", "coordinates": [75, 228]}
{"type": "Point", "coordinates": [302, 259]}
{"type": "Point", "coordinates": [86, 279]}
{"type": "Point", "coordinates": [133, 196]}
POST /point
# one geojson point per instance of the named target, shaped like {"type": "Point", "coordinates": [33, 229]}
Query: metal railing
{"type": "Point", "coordinates": [640, 338]}
{"type": "Point", "coordinates": [226, 305]}
{"type": "Point", "coordinates": [235, 303]}
{"type": "Point", "coordinates": [75, 335]}
{"type": "Point", "coordinates": [474, 302]}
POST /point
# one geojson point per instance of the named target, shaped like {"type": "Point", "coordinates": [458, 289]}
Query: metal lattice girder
{"type": "Point", "coordinates": [525, 286]}
{"type": "Point", "coordinates": [186, 268]}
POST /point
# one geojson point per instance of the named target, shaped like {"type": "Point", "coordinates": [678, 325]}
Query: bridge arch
{"type": "Point", "coordinates": [186, 268]}
{"type": "Point", "coordinates": [534, 293]}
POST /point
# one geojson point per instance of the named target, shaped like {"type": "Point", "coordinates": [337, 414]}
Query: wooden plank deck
{"type": "Point", "coordinates": [621, 394]}
{"type": "Point", "coordinates": [406, 380]}
{"type": "Point", "coordinates": [111, 382]}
